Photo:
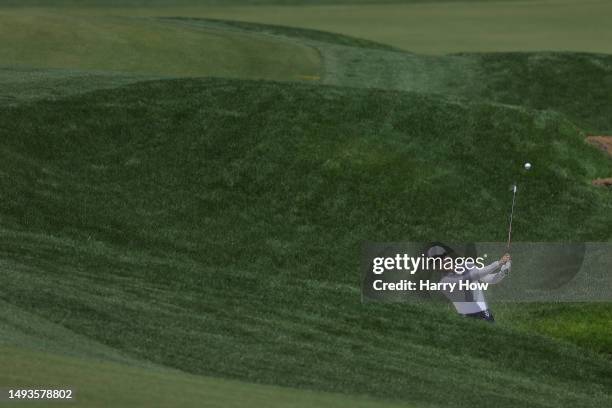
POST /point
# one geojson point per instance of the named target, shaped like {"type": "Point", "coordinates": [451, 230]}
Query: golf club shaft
{"type": "Point", "coordinates": [511, 217]}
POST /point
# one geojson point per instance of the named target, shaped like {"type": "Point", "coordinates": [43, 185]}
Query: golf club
{"type": "Point", "coordinates": [527, 167]}
{"type": "Point", "coordinates": [514, 189]}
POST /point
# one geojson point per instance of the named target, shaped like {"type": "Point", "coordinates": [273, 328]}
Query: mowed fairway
{"type": "Point", "coordinates": [431, 27]}
{"type": "Point", "coordinates": [145, 46]}
{"type": "Point", "coordinates": [105, 384]}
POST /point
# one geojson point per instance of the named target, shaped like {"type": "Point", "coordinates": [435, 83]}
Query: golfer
{"type": "Point", "coordinates": [471, 302]}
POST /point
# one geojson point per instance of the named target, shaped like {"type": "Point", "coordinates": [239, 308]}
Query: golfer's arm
{"type": "Point", "coordinates": [494, 278]}
{"type": "Point", "coordinates": [479, 273]}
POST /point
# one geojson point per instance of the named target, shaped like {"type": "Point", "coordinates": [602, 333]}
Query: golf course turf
{"type": "Point", "coordinates": [191, 225]}
{"type": "Point", "coordinates": [136, 45]}
{"type": "Point", "coordinates": [104, 384]}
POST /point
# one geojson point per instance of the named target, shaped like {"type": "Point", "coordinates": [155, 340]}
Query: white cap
{"type": "Point", "coordinates": [436, 250]}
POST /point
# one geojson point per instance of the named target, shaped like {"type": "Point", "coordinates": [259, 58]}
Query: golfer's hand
{"type": "Point", "coordinates": [504, 259]}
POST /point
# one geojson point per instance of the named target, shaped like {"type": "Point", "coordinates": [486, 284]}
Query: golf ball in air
{"type": "Point", "coordinates": [527, 166]}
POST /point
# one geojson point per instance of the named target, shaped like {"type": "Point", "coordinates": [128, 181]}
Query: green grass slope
{"type": "Point", "coordinates": [586, 324]}
{"type": "Point", "coordinates": [422, 26]}
{"type": "Point", "coordinates": [40, 39]}
{"type": "Point", "coordinates": [434, 27]}
{"type": "Point", "coordinates": [31, 332]}
{"type": "Point", "coordinates": [285, 31]}
{"type": "Point", "coordinates": [22, 85]}
{"type": "Point", "coordinates": [575, 84]}
{"type": "Point", "coordinates": [214, 226]}
{"type": "Point", "coordinates": [103, 384]}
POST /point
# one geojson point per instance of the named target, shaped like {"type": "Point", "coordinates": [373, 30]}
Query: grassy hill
{"type": "Point", "coordinates": [153, 225]}
{"type": "Point", "coordinates": [232, 249]}
{"type": "Point", "coordinates": [575, 84]}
